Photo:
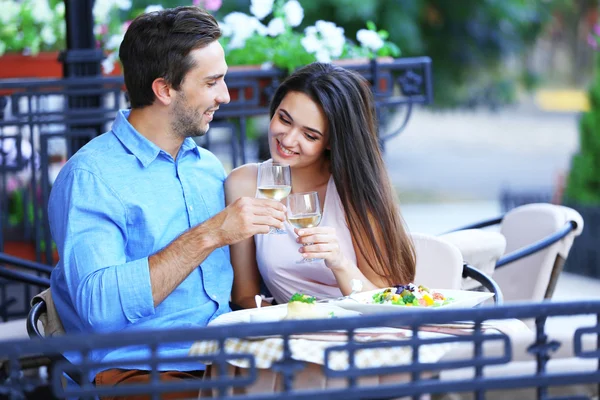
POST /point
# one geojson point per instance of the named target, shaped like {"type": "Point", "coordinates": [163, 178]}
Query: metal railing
{"type": "Point", "coordinates": [476, 361]}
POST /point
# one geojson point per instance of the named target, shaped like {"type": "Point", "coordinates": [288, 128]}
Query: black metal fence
{"type": "Point", "coordinates": [44, 121]}
{"type": "Point", "coordinates": [479, 361]}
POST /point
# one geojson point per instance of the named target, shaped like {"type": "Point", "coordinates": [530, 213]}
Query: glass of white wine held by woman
{"type": "Point", "coordinates": [304, 211]}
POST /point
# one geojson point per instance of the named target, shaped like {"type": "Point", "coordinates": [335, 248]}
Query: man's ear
{"type": "Point", "coordinates": [162, 91]}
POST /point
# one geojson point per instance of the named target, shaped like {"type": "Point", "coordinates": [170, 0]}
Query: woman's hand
{"type": "Point", "coordinates": [320, 242]}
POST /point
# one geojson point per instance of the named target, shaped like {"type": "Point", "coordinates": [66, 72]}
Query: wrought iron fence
{"type": "Point", "coordinates": [44, 121]}
{"type": "Point", "coordinates": [478, 362]}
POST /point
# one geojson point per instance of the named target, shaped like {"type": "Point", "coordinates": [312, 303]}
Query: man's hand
{"type": "Point", "coordinates": [245, 217]}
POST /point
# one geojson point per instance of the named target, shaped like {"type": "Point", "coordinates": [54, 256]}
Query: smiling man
{"type": "Point", "coordinates": [138, 213]}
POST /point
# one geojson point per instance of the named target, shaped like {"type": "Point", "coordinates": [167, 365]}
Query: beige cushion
{"type": "Point", "coordinates": [51, 323]}
{"type": "Point", "coordinates": [528, 278]}
{"type": "Point", "coordinates": [439, 262]}
{"type": "Point", "coordinates": [479, 248]}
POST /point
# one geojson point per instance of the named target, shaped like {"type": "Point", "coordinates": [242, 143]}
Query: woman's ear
{"type": "Point", "coordinates": [162, 91]}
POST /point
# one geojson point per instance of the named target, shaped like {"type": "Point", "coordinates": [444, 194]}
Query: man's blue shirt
{"type": "Point", "coordinates": [117, 201]}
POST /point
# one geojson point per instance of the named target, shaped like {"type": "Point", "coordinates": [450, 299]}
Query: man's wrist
{"type": "Point", "coordinates": [209, 239]}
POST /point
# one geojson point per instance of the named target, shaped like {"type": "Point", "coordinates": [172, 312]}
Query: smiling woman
{"type": "Point", "coordinates": [323, 125]}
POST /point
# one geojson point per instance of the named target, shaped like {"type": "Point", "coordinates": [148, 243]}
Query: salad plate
{"type": "Point", "coordinates": [365, 303]}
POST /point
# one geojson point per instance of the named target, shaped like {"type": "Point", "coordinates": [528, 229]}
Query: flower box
{"type": "Point", "coordinates": [245, 79]}
{"type": "Point", "coordinates": [42, 65]}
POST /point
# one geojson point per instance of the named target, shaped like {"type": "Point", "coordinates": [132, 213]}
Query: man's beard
{"type": "Point", "coordinates": [186, 121]}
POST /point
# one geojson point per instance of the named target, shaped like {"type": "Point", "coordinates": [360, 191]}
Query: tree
{"type": "Point", "coordinates": [583, 182]}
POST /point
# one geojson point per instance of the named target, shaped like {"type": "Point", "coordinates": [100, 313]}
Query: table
{"type": "Point", "coordinates": [310, 349]}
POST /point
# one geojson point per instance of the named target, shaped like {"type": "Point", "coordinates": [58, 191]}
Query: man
{"type": "Point", "coordinates": [138, 213]}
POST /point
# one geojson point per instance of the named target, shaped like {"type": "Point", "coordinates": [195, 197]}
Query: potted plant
{"type": "Point", "coordinates": [32, 32]}
{"type": "Point", "coordinates": [582, 190]}
{"type": "Point", "coordinates": [269, 37]}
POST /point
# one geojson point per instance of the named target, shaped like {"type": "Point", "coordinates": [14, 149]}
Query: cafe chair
{"type": "Point", "coordinates": [538, 239]}
{"type": "Point", "coordinates": [25, 271]}
{"type": "Point", "coordinates": [479, 248]}
{"type": "Point", "coordinates": [14, 269]}
{"type": "Point", "coordinates": [440, 265]}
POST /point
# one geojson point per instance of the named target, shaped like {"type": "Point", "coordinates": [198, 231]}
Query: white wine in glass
{"type": "Point", "coordinates": [274, 182]}
{"type": "Point", "coordinates": [304, 211]}
{"type": "Point", "coordinates": [275, 192]}
{"type": "Point", "coordinates": [305, 220]}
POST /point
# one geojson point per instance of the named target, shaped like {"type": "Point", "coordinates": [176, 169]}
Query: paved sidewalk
{"type": "Point", "coordinates": [474, 154]}
{"type": "Point", "coordinates": [572, 287]}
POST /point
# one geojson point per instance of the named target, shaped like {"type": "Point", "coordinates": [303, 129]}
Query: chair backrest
{"type": "Point", "coordinates": [531, 278]}
{"type": "Point", "coordinates": [479, 248]}
{"type": "Point", "coordinates": [439, 262]}
{"type": "Point", "coordinates": [37, 311]}
{"type": "Point", "coordinates": [44, 311]}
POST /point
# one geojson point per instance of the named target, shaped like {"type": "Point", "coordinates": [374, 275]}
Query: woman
{"type": "Point", "coordinates": [323, 125]}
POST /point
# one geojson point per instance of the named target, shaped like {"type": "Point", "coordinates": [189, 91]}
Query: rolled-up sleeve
{"type": "Point", "coordinates": [89, 226]}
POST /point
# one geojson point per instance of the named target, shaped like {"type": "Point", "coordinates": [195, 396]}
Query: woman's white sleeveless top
{"type": "Point", "coordinates": [277, 255]}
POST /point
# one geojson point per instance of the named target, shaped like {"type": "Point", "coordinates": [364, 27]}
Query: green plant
{"type": "Point", "coordinates": [468, 41]}
{"type": "Point", "coordinates": [31, 26]}
{"type": "Point", "coordinates": [583, 182]}
{"type": "Point", "coordinates": [247, 41]}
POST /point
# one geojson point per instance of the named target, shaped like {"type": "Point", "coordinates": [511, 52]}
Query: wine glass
{"type": "Point", "coordinates": [274, 182]}
{"type": "Point", "coordinates": [304, 211]}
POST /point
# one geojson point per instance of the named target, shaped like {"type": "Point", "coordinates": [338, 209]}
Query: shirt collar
{"type": "Point", "coordinates": [142, 148]}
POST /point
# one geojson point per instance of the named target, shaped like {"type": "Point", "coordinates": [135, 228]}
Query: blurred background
{"type": "Point", "coordinates": [515, 96]}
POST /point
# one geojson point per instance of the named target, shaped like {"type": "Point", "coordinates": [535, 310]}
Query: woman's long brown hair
{"type": "Point", "coordinates": [357, 166]}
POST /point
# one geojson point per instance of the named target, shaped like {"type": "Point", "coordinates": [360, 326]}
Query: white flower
{"type": "Point", "coordinates": [60, 8]}
{"type": "Point", "coordinates": [10, 11]}
{"type": "Point", "coordinates": [261, 8]}
{"type": "Point", "coordinates": [333, 37]}
{"type": "Point", "coordinates": [226, 30]}
{"type": "Point", "coordinates": [41, 11]}
{"type": "Point", "coordinates": [325, 40]}
{"type": "Point", "coordinates": [48, 35]}
{"type": "Point", "coordinates": [108, 64]}
{"type": "Point", "coordinates": [114, 42]}
{"type": "Point", "coordinates": [369, 39]}
{"type": "Point", "coordinates": [276, 27]}
{"type": "Point", "coordinates": [101, 10]}
{"type": "Point", "coordinates": [259, 28]}
{"type": "Point", "coordinates": [323, 56]}
{"type": "Point", "coordinates": [240, 27]}
{"type": "Point", "coordinates": [294, 13]}
{"type": "Point", "coordinates": [153, 8]}
{"type": "Point", "coordinates": [311, 43]}
{"type": "Point", "coordinates": [123, 4]}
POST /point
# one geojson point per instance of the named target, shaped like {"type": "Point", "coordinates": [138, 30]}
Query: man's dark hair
{"type": "Point", "coordinates": [158, 44]}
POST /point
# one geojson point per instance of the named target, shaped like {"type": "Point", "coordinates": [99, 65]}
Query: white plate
{"type": "Point", "coordinates": [273, 313]}
{"type": "Point", "coordinates": [461, 299]}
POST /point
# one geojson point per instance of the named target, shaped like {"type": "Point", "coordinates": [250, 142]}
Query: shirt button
{"type": "Point", "coordinates": [214, 296]}
{"type": "Point", "coordinates": [191, 208]}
